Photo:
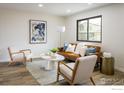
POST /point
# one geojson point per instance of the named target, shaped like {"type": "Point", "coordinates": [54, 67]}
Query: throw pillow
{"type": "Point", "coordinates": [65, 46]}
{"type": "Point", "coordinates": [70, 48]}
{"type": "Point", "coordinates": [83, 51]}
{"type": "Point", "coordinates": [90, 50]}
{"type": "Point", "coordinates": [78, 47]}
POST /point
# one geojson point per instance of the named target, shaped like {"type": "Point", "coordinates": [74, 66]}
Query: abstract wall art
{"type": "Point", "coordinates": [38, 31]}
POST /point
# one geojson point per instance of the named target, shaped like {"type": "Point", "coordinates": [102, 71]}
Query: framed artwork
{"type": "Point", "coordinates": [38, 31]}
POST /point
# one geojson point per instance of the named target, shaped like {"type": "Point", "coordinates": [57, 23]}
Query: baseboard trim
{"type": "Point", "coordinates": [9, 60]}
{"type": "Point", "coordinates": [120, 68]}
{"type": "Point", "coordinates": [4, 61]}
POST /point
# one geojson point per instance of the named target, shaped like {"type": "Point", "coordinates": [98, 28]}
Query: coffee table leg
{"type": "Point", "coordinates": [50, 65]}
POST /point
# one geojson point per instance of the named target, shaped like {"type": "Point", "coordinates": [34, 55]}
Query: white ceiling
{"type": "Point", "coordinates": [59, 9]}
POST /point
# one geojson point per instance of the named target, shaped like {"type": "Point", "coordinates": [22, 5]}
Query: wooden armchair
{"type": "Point", "coordinates": [19, 56]}
{"type": "Point", "coordinates": [78, 72]}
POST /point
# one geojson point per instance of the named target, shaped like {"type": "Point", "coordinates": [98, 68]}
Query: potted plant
{"type": "Point", "coordinates": [54, 50]}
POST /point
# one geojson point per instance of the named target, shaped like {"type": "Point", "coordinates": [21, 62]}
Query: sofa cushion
{"type": "Point", "coordinates": [82, 51]}
{"type": "Point", "coordinates": [79, 52]}
{"type": "Point", "coordinates": [78, 47]}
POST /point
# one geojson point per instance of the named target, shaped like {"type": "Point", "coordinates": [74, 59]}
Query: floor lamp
{"type": "Point", "coordinates": [61, 29]}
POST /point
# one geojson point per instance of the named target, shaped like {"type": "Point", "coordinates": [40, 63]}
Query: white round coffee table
{"type": "Point", "coordinates": [51, 59]}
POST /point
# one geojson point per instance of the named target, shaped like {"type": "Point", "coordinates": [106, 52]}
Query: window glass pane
{"type": "Point", "coordinates": [95, 29]}
{"type": "Point", "coordinates": [82, 30]}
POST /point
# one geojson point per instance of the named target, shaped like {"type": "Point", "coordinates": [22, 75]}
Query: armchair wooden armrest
{"type": "Point", "coordinates": [61, 62]}
{"type": "Point", "coordinates": [98, 53]}
{"type": "Point", "coordinates": [18, 53]}
{"type": "Point", "coordinates": [26, 50]}
{"type": "Point", "coordinates": [28, 54]}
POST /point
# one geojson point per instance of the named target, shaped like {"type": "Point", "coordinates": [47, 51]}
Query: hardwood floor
{"type": "Point", "coordinates": [20, 75]}
{"type": "Point", "coordinates": [15, 75]}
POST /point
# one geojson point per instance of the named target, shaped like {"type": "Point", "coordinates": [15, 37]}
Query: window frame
{"type": "Point", "coordinates": [87, 19]}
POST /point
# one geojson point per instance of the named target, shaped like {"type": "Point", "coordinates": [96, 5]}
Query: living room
{"type": "Point", "coordinates": [16, 22]}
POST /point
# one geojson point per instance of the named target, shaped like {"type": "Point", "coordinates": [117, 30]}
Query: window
{"type": "Point", "coordinates": [90, 29]}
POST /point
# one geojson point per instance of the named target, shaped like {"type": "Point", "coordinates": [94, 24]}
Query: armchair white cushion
{"type": "Point", "coordinates": [28, 56]}
{"type": "Point", "coordinates": [18, 57]}
{"type": "Point", "coordinates": [78, 72]}
{"type": "Point", "coordinates": [66, 71]}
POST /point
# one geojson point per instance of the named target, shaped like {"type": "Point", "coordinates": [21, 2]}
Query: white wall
{"type": "Point", "coordinates": [14, 31]}
{"type": "Point", "coordinates": [112, 30]}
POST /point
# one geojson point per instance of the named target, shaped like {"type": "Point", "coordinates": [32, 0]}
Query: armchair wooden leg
{"type": "Point", "coordinates": [24, 63]}
{"type": "Point", "coordinates": [92, 80]}
{"type": "Point", "coordinates": [57, 77]}
{"type": "Point", "coordinates": [11, 63]}
{"type": "Point", "coordinates": [31, 59]}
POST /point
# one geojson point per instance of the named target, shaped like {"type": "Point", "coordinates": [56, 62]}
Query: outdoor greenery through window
{"type": "Point", "coordinates": [90, 29]}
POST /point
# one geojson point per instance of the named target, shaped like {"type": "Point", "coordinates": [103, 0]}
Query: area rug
{"type": "Point", "coordinates": [44, 77]}
{"type": "Point", "coordinates": [36, 68]}
{"type": "Point", "coordinates": [15, 75]}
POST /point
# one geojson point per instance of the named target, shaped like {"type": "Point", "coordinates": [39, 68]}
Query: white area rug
{"type": "Point", "coordinates": [44, 77]}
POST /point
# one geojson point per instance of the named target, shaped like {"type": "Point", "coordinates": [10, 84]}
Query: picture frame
{"type": "Point", "coordinates": [38, 31]}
